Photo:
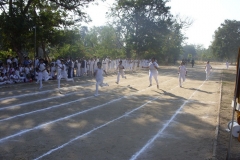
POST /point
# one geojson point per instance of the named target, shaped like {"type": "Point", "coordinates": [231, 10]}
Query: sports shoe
{"type": "Point", "coordinates": [157, 86]}
{"type": "Point", "coordinates": [96, 94]}
{"type": "Point", "coordinates": [125, 77]}
{"type": "Point", "coordinates": [150, 85]}
{"type": "Point", "coordinates": [116, 82]}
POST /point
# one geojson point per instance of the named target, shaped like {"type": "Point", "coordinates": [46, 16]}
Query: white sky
{"type": "Point", "coordinates": [207, 15]}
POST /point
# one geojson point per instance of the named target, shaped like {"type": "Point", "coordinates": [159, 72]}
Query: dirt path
{"type": "Point", "coordinates": [126, 121]}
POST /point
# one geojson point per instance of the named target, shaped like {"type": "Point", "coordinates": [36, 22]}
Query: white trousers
{"type": "Point", "coordinates": [99, 82]}
{"type": "Point", "coordinates": [207, 75]}
{"type": "Point", "coordinates": [118, 76]}
{"type": "Point", "coordinates": [62, 74]}
{"type": "Point", "coordinates": [154, 75]}
{"type": "Point", "coordinates": [181, 79]}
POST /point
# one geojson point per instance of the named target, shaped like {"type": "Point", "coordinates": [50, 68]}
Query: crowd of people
{"type": "Point", "coordinates": [13, 70]}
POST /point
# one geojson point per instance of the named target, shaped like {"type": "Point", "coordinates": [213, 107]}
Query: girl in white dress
{"type": "Point", "coordinates": [98, 74]}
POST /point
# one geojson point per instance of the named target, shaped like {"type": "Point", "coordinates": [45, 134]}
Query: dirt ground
{"type": "Point", "coordinates": [225, 116]}
{"type": "Point", "coordinates": [128, 120]}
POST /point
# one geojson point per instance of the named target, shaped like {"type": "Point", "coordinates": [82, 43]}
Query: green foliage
{"type": "Point", "coordinates": [148, 29]}
{"type": "Point", "coordinates": [18, 18]}
{"type": "Point", "coordinates": [102, 42]}
{"type": "Point", "coordinates": [226, 40]}
{"type": "Point", "coordinates": [189, 50]}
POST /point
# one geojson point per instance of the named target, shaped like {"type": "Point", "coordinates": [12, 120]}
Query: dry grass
{"type": "Point", "coordinates": [228, 86]}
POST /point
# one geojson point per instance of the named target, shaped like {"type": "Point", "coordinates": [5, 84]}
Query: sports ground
{"type": "Point", "coordinates": [128, 120]}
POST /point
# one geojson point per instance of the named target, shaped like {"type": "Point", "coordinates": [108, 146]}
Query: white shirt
{"type": "Point", "coordinates": [41, 67]}
{"type": "Point", "coordinates": [120, 67]}
{"type": "Point", "coordinates": [208, 67]}
{"type": "Point", "coordinates": [152, 68]}
{"type": "Point", "coordinates": [182, 70]}
{"type": "Point", "coordinates": [99, 74]}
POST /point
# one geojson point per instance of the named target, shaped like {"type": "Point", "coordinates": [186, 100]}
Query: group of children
{"type": "Point", "coordinates": [97, 70]}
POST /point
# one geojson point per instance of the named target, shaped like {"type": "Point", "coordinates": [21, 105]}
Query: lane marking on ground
{"type": "Point", "coordinates": [55, 106]}
{"type": "Point", "coordinates": [89, 132]}
{"type": "Point", "coordinates": [164, 127]}
{"type": "Point", "coordinates": [67, 117]}
{"type": "Point", "coordinates": [56, 89]}
{"type": "Point", "coordinates": [150, 142]}
{"type": "Point", "coordinates": [63, 118]}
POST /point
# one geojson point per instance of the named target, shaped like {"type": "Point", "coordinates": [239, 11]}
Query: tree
{"type": "Point", "coordinates": [189, 50]}
{"type": "Point", "coordinates": [18, 18]}
{"type": "Point", "coordinates": [144, 23]}
{"type": "Point", "coordinates": [226, 40]}
{"type": "Point", "coordinates": [102, 41]}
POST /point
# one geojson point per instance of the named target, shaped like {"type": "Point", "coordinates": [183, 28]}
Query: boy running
{"type": "Point", "coordinates": [182, 71]}
{"type": "Point", "coordinates": [120, 69]}
{"type": "Point", "coordinates": [153, 72]}
{"type": "Point", "coordinates": [208, 68]}
{"type": "Point", "coordinates": [98, 74]}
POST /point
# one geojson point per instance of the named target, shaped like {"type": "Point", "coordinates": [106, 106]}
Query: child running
{"type": "Point", "coordinates": [98, 74]}
{"type": "Point", "coordinates": [41, 68]}
{"type": "Point", "coordinates": [62, 73]}
{"type": "Point", "coordinates": [182, 72]}
{"type": "Point", "coordinates": [120, 69]}
{"type": "Point", "coordinates": [153, 72]}
{"type": "Point", "coordinates": [208, 68]}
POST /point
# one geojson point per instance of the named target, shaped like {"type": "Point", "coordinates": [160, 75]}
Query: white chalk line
{"type": "Point", "coordinates": [51, 107]}
{"type": "Point", "coordinates": [164, 127]}
{"type": "Point", "coordinates": [45, 109]}
{"type": "Point", "coordinates": [66, 117]}
{"type": "Point", "coordinates": [40, 110]}
{"type": "Point", "coordinates": [41, 100]}
{"type": "Point", "coordinates": [40, 92]}
{"type": "Point", "coordinates": [89, 132]}
{"type": "Point", "coordinates": [56, 89]}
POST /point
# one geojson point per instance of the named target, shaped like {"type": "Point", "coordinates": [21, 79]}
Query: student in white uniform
{"type": "Point", "coordinates": [41, 68]}
{"type": "Point", "coordinates": [120, 69]}
{"type": "Point", "coordinates": [153, 71]}
{"type": "Point", "coordinates": [2, 79]}
{"type": "Point", "coordinates": [62, 73]}
{"type": "Point", "coordinates": [91, 65]}
{"type": "Point", "coordinates": [208, 68]}
{"type": "Point", "coordinates": [98, 74]}
{"type": "Point", "coordinates": [227, 64]}
{"type": "Point", "coordinates": [182, 72]}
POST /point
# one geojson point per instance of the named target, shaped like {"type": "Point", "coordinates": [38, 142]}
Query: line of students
{"type": "Point", "coordinates": [62, 72]}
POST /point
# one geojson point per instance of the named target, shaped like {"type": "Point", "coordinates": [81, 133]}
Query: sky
{"type": "Point", "coordinates": [207, 16]}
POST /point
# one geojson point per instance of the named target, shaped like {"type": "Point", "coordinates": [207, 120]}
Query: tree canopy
{"type": "Point", "coordinates": [18, 18]}
{"type": "Point", "coordinates": [226, 40]}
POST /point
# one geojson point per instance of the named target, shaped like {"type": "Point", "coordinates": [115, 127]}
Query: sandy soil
{"type": "Point", "coordinates": [226, 112]}
{"type": "Point", "coordinates": [128, 120]}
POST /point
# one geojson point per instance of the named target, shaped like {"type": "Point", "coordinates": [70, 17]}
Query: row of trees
{"type": "Point", "coordinates": [225, 44]}
{"type": "Point", "coordinates": [139, 29]}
